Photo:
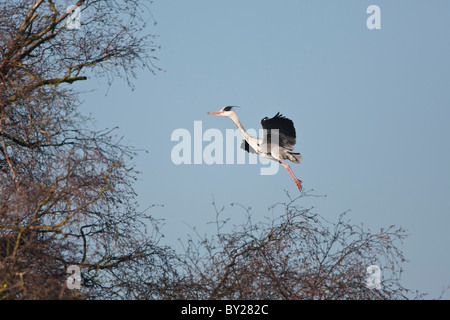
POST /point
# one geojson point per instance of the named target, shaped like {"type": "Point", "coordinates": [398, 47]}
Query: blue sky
{"type": "Point", "coordinates": [371, 110]}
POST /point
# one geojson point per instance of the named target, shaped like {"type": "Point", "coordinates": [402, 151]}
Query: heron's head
{"type": "Point", "coordinates": [225, 112]}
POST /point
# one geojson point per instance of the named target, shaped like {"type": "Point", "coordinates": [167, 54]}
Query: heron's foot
{"type": "Point", "coordinates": [299, 184]}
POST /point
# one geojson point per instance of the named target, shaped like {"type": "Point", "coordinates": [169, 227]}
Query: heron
{"type": "Point", "coordinates": [267, 146]}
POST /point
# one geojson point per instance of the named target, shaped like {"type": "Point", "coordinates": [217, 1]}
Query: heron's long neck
{"type": "Point", "coordinates": [240, 127]}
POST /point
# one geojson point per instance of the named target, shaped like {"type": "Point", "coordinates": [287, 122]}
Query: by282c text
{"type": "Point", "coordinates": [246, 309]}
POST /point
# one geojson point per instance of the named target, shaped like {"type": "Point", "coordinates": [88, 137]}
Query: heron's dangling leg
{"type": "Point", "coordinates": [288, 168]}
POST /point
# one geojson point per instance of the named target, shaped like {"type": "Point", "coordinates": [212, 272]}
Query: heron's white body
{"type": "Point", "coordinates": [274, 149]}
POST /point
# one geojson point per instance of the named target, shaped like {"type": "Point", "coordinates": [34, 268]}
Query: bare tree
{"type": "Point", "coordinates": [66, 192]}
{"type": "Point", "coordinates": [295, 254]}
{"type": "Point", "coordinates": [67, 197]}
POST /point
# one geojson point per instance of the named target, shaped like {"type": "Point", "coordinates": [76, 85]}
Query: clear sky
{"type": "Point", "coordinates": [371, 109]}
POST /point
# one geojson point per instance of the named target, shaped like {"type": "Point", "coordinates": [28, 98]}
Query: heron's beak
{"type": "Point", "coordinates": [215, 112]}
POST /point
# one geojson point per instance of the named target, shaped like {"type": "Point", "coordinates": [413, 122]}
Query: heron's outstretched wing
{"type": "Point", "coordinates": [285, 128]}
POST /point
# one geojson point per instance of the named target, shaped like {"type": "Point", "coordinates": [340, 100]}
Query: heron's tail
{"type": "Point", "coordinates": [294, 157]}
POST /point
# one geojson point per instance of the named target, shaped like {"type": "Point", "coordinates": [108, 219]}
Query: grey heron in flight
{"type": "Point", "coordinates": [277, 127]}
